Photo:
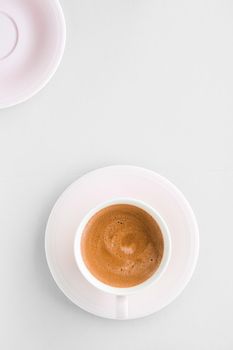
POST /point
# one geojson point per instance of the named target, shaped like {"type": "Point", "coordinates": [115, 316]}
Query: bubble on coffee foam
{"type": "Point", "coordinates": [127, 250]}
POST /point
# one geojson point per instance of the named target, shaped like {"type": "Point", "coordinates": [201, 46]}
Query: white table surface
{"type": "Point", "coordinates": [142, 82]}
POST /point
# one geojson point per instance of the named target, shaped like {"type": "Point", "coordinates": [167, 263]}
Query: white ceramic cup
{"type": "Point", "coordinates": [122, 293]}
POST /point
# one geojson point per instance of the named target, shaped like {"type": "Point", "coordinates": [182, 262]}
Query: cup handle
{"type": "Point", "coordinates": [121, 307]}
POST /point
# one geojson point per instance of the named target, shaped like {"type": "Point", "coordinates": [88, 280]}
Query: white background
{"type": "Point", "coordinates": [142, 82]}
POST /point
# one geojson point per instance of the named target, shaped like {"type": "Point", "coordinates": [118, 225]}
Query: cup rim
{"type": "Point", "coordinates": [123, 290]}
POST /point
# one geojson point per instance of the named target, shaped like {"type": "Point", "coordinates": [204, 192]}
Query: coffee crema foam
{"type": "Point", "coordinates": [122, 245]}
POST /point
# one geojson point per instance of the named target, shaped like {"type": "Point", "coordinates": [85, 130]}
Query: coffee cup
{"type": "Point", "coordinates": [122, 293]}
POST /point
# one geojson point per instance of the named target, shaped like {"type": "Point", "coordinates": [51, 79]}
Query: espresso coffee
{"type": "Point", "coordinates": [122, 245]}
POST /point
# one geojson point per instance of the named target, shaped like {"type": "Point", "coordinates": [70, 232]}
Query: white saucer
{"type": "Point", "coordinates": [101, 185]}
{"type": "Point", "coordinates": [32, 40]}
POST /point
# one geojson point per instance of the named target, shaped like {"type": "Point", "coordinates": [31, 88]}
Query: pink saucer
{"type": "Point", "coordinates": [32, 41]}
{"type": "Point", "coordinates": [102, 185]}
